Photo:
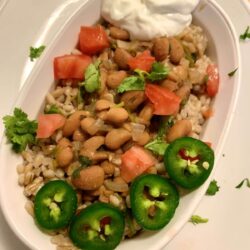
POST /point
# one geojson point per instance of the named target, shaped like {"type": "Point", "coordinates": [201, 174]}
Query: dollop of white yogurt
{"type": "Point", "coordinates": [146, 19]}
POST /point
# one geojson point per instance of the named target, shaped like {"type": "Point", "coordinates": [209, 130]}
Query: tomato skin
{"type": "Point", "coordinates": [71, 66]}
{"type": "Point", "coordinates": [164, 101]}
{"type": "Point", "coordinates": [135, 161]}
{"type": "Point", "coordinates": [213, 80]}
{"type": "Point", "coordinates": [93, 40]}
{"type": "Point", "coordinates": [48, 124]}
{"type": "Point", "coordinates": [142, 61]}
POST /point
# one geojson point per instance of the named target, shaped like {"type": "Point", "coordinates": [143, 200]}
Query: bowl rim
{"type": "Point", "coordinates": [231, 112]}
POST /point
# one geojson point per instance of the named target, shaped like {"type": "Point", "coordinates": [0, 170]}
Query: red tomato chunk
{"type": "Point", "coordinates": [213, 80]}
{"type": "Point", "coordinates": [71, 66]}
{"type": "Point", "coordinates": [142, 61]}
{"type": "Point", "coordinates": [48, 124]}
{"type": "Point", "coordinates": [164, 101]}
{"type": "Point", "coordinates": [135, 161]}
{"type": "Point", "coordinates": [93, 40]}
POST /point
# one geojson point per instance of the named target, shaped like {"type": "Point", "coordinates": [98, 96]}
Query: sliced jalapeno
{"type": "Point", "coordinates": [55, 204]}
{"type": "Point", "coordinates": [189, 162]}
{"type": "Point", "coordinates": [100, 226]}
{"type": "Point", "coordinates": [153, 201]}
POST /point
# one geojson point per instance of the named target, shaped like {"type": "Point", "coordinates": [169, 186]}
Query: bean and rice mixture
{"type": "Point", "coordinates": [105, 124]}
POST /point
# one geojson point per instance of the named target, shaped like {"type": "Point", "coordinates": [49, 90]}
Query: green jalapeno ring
{"type": "Point", "coordinates": [100, 226]}
{"type": "Point", "coordinates": [189, 162]}
{"type": "Point", "coordinates": [54, 205]}
{"type": "Point", "coordinates": [154, 200]}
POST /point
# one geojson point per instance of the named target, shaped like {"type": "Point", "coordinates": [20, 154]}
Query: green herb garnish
{"type": "Point", "coordinates": [92, 78]}
{"type": "Point", "coordinates": [36, 52]}
{"type": "Point", "coordinates": [84, 161]}
{"type": "Point", "coordinates": [196, 219]}
{"type": "Point", "coordinates": [246, 34]}
{"type": "Point", "coordinates": [159, 145]}
{"type": "Point", "coordinates": [242, 182]}
{"type": "Point", "coordinates": [19, 130]}
{"type": "Point", "coordinates": [137, 82]}
{"type": "Point", "coordinates": [213, 188]}
{"type": "Point", "coordinates": [232, 72]}
{"type": "Point", "coordinates": [53, 109]}
{"type": "Point", "coordinates": [131, 83]}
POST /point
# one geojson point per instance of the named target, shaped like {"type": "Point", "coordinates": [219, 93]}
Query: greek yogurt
{"type": "Point", "coordinates": [146, 19]}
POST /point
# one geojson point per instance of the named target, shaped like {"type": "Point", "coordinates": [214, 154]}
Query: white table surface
{"type": "Point", "coordinates": [21, 22]}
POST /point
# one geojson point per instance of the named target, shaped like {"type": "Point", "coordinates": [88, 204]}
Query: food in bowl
{"type": "Point", "coordinates": [117, 135]}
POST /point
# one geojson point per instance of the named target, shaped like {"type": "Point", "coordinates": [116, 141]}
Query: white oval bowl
{"type": "Point", "coordinates": [223, 48]}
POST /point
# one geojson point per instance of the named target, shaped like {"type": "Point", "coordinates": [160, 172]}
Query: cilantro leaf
{"type": "Point", "coordinates": [196, 219]}
{"type": "Point", "coordinates": [19, 130]}
{"type": "Point", "coordinates": [242, 182]}
{"type": "Point", "coordinates": [213, 188]}
{"type": "Point", "coordinates": [157, 146]}
{"type": "Point", "coordinates": [84, 161]}
{"type": "Point", "coordinates": [36, 52]}
{"type": "Point", "coordinates": [92, 78]}
{"type": "Point", "coordinates": [246, 34]}
{"type": "Point", "coordinates": [230, 74]}
{"type": "Point", "coordinates": [53, 109]}
{"type": "Point", "coordinates": [166, 123]}
{"type": "Point", "coordinates": [159, 72]}
{"type": "Point", "coordinates": [131, 83]}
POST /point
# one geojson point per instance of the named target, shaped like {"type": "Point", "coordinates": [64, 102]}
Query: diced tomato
{"type": "Point", "coordinates": [135, 161]}
{"type": "Point", "coordinates": [164, 101]}
{"type": "Point", "coordinates": [93, 39]}
{"type": "Point", "coordinates": [142, 61]}
{"type": "Point", "coordinates": [213, 80]}
{"type": "Point", "coordinates": [71, 66]}
{"type": "Point", "coordinates": [48, 124]}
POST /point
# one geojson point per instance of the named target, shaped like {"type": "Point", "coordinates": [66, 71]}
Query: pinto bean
{"type": "Point", "coordinates": [93, 143]}
{"type": "Point", "coordinates": [176, 50]}
{"type": "Point", "coordinates": [88, 125]}
{"type": "Point", "coordinates": [146, 113]}
{"type": "Point", "coordinates": [95, 155]}
{"type": "Point", "coordinates": [118, 33]}
{"type": "Point", "coordinates": [161, 48]}
{"type": "Point", "coordinates": [103, 80]}
{"type": "Point", "coordinates": [116, 138]}
{"type": "Point", "coordinates": [115, 78]}
{"type": "Point", "coordinates": [90, 178]}
{"type": "Point", "coordinates": [169, 84]}
{"type": "Point", "coordinates": [117, 115]}
{"type": "Point", "coordinates": [78, 135]}
{"type": "Point", "coordinates": [121, 58]}
{"type": "Point", "coordinates": [103, 105]}
{"type": "Point", "coordinates": [180, 128]}
{"type": "Point", "coordinates": [64, 156]}
{"type": "Point", "coordinates": [64, 142]}
{"type": "Point", "coordinates": [183, 92]}
{"type": "Point", "coordinates": [108, 167]}
{"type": "Point", "coordinates": [132, 99]}
{"type": "Point", "coordinates": [73, 122]}
{"type": "Point", "coordinates": [143, 138]}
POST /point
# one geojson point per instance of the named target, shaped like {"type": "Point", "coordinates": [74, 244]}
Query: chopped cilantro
{"type": "Point", "coordinates": [53, 109]}
{"type": "Point", "coordinates": [131, 83]}
{"type": "Point", "coordinates": [36, 52]}
{"type": "Point", "coordinates": [196, 219]}
{"type": "Point", "coordinates": [157, 146]}
{"type": "Point", "coordinates": [19, 130]}
{"type": "Point", "coordinates": [246, 34]}
{"type": "Point", "coordinates": [92, 78]}
{"type": "Point", "coordinates": [213, 188]}
{"type": "Point", "coordinates": [242, 182]}
{"type": "Point", "coordinates": [84, 161]}
{"type": "Point", "coordinates": [232, 72]}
